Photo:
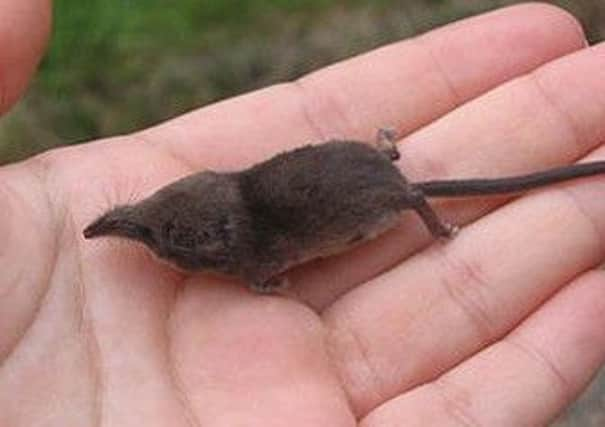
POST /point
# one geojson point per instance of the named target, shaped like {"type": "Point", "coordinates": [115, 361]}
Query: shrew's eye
{"type": "Point", "coordinates": [145, 234]}
{"type": "Point", "coordinates": [167, 228]}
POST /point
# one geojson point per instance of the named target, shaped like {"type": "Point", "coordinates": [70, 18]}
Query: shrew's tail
{"type": "Point", "coordinates": [516, 184]}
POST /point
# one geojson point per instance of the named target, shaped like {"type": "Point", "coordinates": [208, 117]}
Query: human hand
{"type": "Point", "coordinates": [504, 325]}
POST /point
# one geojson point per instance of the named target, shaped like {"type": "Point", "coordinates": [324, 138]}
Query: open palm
{"type": "Point", "coordinates": [502, 326]}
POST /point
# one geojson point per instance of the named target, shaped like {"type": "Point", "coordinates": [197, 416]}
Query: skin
{"type": "Point", "coordinates": [503, 326]}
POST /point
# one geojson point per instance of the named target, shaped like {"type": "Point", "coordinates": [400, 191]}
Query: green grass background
{"type": "Point", "coordinates": [115, 66]}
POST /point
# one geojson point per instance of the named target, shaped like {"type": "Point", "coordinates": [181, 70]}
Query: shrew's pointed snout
{"type": "Point", "coordinates": [102, 226]}
{"type": "Point", "coordinates": [120, 222]}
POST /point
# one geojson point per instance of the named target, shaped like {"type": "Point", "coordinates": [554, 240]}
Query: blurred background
{"type": "Point", "coordinates": [117, 66]}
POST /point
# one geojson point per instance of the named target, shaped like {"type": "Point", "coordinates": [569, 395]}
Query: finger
{"type": "Point", "coordinates": [529, 124]}
{"type": "Point", "coordinates": [451, 300]}
{"type": "Point", "coordinates": [525, 379]}
{"type": "Point", "coordinates": [405, 85]}
{"type": "Point", "coordinates": [24, 29]}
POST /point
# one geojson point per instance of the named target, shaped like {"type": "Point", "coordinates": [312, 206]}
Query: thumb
{"type": "Point", "coordinates": [24, 30]}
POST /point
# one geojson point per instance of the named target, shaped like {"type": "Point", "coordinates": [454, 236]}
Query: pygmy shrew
{"type": "Point", "coordinates": [303, 204]}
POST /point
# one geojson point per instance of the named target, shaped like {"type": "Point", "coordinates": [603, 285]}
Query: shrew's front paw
{"type": "Point", "coordinates": [270, 285]}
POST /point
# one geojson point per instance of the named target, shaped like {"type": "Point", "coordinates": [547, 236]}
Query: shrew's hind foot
{"type": "Point", "coordinates": [449, 231]}
{"type": "Point", "coordinates": [385, 141]}
{"type": "Point", "coordinates": [438, 228]}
